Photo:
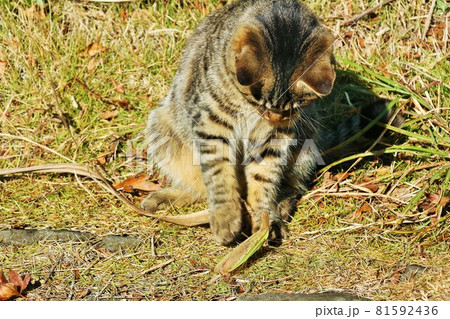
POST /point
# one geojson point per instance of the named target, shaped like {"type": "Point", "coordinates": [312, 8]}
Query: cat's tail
{"type": "Point", "coordinates": [335, 141]}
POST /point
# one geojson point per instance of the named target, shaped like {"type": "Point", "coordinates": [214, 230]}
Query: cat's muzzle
{"type": "Point", "coordinates": [279, 113]}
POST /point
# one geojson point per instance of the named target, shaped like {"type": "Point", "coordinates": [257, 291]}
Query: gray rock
{"type": "Point", "coordinates": [326, 296]}
{"type": "Point", "coordinates": [116, 243]}
{"type": "Point", "coordinates": [412, 271]}
{"type": "Point", "coordinates": [21, 237]}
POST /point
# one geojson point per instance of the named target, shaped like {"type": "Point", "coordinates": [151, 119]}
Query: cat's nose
{"type": "Point", "coordinates": [274, 106]}
{"type": "Point", "coordinates": [273, 116]}
{"type": "Point", "coordinates": [280, 107]}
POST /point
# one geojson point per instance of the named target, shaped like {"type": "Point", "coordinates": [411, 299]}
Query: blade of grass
{"type": "Point", "coordinates": [389, 150]}
{"type": "Point", "coordinates": [245, 250]}
{"type": "Point", "coordinates": [382, 80]}
{"type": "Point", "coordinates": [417, 136]}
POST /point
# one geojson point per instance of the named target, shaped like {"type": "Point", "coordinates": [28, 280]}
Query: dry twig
{"type": "Point", "coordinates": [161, 265]}
{"type": "Point", "coordinates": [364, 13]}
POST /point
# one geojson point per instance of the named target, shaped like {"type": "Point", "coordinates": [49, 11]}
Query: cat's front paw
{"type": "Point", "coordinates": [226, 225]}
{"type": "Point", "coordinates": [278, 231]}
{"type": "Point", "coordinates": [278, 227]}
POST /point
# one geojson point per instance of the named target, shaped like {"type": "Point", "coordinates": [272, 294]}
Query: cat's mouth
{"type": "Point", "coordinates": [278, 115]}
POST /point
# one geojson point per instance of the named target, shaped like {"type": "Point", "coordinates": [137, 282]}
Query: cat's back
{"type": "Point", "coordinates": [202, 54]}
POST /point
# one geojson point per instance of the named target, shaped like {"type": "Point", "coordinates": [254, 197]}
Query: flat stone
{"type": "Point", "coordinates": [412, 271]}
{"type": "Point", "coordinates": [21, 237]}
{"type": "Point", "coordinates": [325, 296]}
{"type": "Point", "coordinates": [115, 243]}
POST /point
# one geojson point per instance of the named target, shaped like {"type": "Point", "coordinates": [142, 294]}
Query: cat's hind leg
{"type": "Point", "coordinates": [173, 156]}
{"type": "Point", "coordinates": [168, 198]}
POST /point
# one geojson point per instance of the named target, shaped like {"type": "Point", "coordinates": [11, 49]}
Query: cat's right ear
{"type": "Point", "coordinates": [247, 55]}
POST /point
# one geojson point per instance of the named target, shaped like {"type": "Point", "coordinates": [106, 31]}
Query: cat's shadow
{"type": "Point", "coordinates": [348, 97]}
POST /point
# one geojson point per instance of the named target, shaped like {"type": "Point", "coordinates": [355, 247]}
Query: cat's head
{"type": "Point", "coordinates": [282, 63]}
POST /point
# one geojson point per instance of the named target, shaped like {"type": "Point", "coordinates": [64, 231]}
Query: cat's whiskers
{"type": "Point", "coordinates": [308, 121]}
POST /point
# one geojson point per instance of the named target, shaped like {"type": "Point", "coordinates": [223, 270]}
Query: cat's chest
{"type": "Point", "coordinates": [251, 126]}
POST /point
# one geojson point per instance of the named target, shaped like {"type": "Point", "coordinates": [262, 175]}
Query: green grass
{"type": "Point", "coordinates": [331, 247]}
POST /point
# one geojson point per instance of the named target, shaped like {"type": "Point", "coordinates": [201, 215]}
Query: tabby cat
{"type": "Point", "coordinates": [239, 125]}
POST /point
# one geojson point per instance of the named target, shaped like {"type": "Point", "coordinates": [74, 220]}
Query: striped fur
{"type": "Point", "coordinates": [238, 113]}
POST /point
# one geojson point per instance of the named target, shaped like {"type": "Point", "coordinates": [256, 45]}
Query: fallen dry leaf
{"type": "Point", "coordinates": [426, 207]}
{"type": "Point", "coordinates": [245, 250]}
{"type": "Point", "coordinates": [330, 182]}
{"type": "Point", "coordinates": [445, 200]}
{"type": "Point", "coordinates": [433, 198]}
{"type": "Point", "coordinates": [433, 220]}
{"type": "Point", "coordinates": [431, 206]}
{"type": "Point", "coordinates": [401, 192]}
{"type": "Point", "coordinates": [383, 171]}
{"type": "Point", "coordinates": [361, 42]}
{"type": "Point", "coordinates": [342, 176]}
{"type": "Point", "coordinates": [91, 50]}
{"type": "Point", "coordinates": [327, 178]}
{"type": "Point", "coordinates": [17, 280]}
{"type": "Point", "coordinates": [109, 115]}
{"type": "Point", "coordinates": [15, 287]}
{"type": "Point", "coordinates": [101, 160]}
{"type": "Point", "coordinates": [94, 63]}
{"type": "Point", "coordinates": [3, 279]}
{"type": "Point", "coordinates": [372, 187]}
{"type": "Point", "coordinates": [138, 182]}
{"type": "Point", "coordinates": [437, 30]}
{"type": "Point", "coordinates": [8, 291]}
{"type": "Point", "coordinates": [118, 87]}
{"type": "Point", "coordinates": [83, 293]}
{"type": "Point", "coordinates": [365, 208]}
{"type": "Point", "coordinates": [124, 15]}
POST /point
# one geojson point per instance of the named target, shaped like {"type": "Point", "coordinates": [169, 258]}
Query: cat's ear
{"type": "Point", "coordinates": [319, 78]}
{"type": "Point", "coordinates": [318, 74]}
{"type": "Point", "coordinates": [247, 55]}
